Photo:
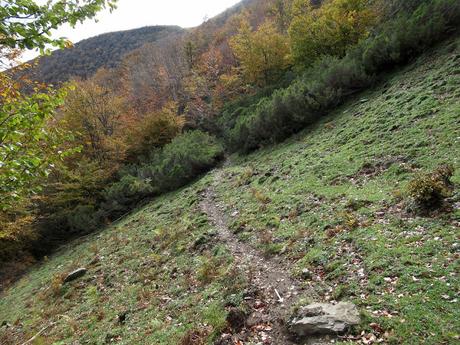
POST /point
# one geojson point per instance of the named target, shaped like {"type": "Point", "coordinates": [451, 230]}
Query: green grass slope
{"type": "Point", "coordinates": [329, 200]}
{"type": "Point", "coordinates": [151, 267]}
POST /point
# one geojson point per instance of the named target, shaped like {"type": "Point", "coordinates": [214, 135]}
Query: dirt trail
{"type": "Point", "coordinates": [275, 291]}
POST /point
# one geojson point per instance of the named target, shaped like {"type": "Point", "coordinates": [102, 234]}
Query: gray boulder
{"type": "Point", "coordinates": [75, 275]}
{"type": "Point", "coordinates": [324, 318]}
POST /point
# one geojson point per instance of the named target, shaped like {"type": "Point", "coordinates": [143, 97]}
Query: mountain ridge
{"type": "Point", "coordinates": [102, 51]}
{"type": "Point", "coordinates": [87, 56]}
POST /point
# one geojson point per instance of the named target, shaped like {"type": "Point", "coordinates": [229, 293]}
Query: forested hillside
{"type": "Point", "coordinates": [103, 51]}
{"type": "Point", "coordinates": [330, 202]}
{"type": "Point", "coordinates": [86, 57]}
{"type": "Point", "coordinates": [213, 185]}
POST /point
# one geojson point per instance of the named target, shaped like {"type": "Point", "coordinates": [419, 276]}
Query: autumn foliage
{"type": "Point", "coordinates": [254, 75]}
{"type": "Point", "coordinates": [263, 53]}
{"type": "Point", "coordinates": [329, 29]}
{"type": "Point", "coordinates": [155, 130]}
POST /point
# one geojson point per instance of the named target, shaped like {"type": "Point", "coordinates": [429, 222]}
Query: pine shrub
{"type": "Point", "coordinates": [331, 80]}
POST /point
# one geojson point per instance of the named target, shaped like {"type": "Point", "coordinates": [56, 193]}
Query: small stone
{"type": "Point", "coordinates": [324, 318]}
{"type": "Point", "coordinates": [75, 275]}
{"type": "Point", "coordinates": [306, 274]}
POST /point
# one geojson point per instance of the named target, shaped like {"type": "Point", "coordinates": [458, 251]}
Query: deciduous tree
{"type": "Point", "coordinates": [28, 141]}
{"type": "Point", "coordinates": [155, 130]}
{"type": "Point", "coordinates": [329, 29]}
{"type": "Point", "coordinates": [25, 24]}
{"type": "Point", "coordinates": [263, 54]}
{"type": "Point", "coordinates": [99, 116]}
{"type": "Point", "coordinates": [281, 12]}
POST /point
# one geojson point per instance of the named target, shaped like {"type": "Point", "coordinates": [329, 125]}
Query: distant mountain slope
{"type": "Point", "coordinates": [106, 50]}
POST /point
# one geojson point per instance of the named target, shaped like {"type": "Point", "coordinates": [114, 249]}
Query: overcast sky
{"type": "Point", "coordinates": [132, 14]}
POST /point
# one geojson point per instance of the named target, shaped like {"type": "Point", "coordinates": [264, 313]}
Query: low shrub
{"type": "Point", "coordinates": [125, 194]}
{"type": "Point", "coordinates": [188, 156]}
{"type": "Point", "coordinates": [84, 219]}
{"type": "Point", "coordinates": [427, 192]}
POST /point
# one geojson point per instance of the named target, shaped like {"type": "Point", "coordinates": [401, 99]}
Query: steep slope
{"type": "Point", "coordinates": [106, 50]}
{"type": "Point", "coordinates": [328, 200]}
{"type": "Point", "coordinates": [332, 201]}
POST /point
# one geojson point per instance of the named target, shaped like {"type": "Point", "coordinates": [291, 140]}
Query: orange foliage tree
{"type": "Point", "coordinates": [99, 118]}
{"type": "Point", "coordinates": [155, 130]}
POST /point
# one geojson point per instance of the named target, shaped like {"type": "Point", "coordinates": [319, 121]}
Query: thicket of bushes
{"type": "Point", "coordinates": [179, 162]}
{"type": "Point", "coordinates": [331, 80]}
{"type": "Point", "coordinates": [94, 202]}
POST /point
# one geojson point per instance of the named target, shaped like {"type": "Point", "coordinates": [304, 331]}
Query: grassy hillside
{"type": "Point", "coordinates": [145, 265]}
{"type": "Point", "coordinates": [330, 200]}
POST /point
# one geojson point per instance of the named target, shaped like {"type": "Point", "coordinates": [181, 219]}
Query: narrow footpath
{"type": "Point", "coordinates": [274, 291]}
